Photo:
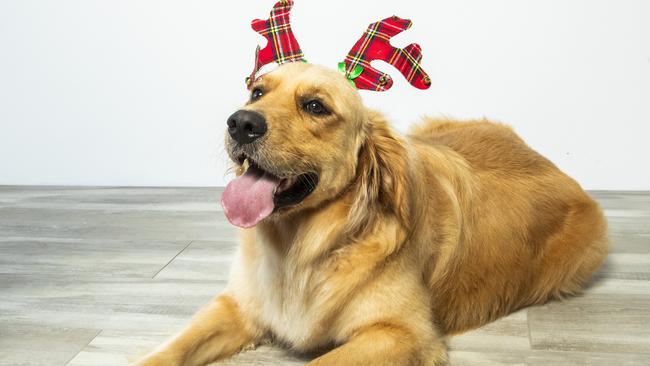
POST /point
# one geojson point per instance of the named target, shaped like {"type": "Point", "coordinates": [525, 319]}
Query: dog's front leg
{"type": "Point", "coordinates": [385, 344]}
{"type": "Point", "coordinates": [217, 331]}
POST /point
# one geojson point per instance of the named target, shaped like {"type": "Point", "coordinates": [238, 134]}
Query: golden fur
{"type": "Point", "coordinates": [404, 241]}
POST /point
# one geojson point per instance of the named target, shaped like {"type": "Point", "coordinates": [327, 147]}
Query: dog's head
{"type": "Point", "coordinates": [295, 142]}
{"type": "Point", "coordinates": [302, 139]}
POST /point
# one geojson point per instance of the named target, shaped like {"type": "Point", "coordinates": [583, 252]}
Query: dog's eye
{"type": "Point", "coordinates": [315, 107]}
{"type": "Point", "coordinates": [257, 94]}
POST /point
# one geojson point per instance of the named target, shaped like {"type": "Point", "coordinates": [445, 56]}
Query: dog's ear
{"type": "Point", "coordinates": [382, 175]}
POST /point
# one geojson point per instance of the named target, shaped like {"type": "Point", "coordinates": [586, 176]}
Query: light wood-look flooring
{"type": "Point", "coordinates": [97, 276]}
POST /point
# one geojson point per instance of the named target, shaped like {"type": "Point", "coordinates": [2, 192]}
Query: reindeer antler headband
{"type": "Point", "coordinates": [374, 44]}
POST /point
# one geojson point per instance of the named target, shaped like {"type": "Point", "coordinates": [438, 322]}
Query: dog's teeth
{"type": "Point", "coordinates": [286, 184]}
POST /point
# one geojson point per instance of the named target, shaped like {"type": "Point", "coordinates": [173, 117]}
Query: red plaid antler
{"type": "Point", "coordinates": [282, 45]}
{"type": "Point", "coordinates": [375, 45]}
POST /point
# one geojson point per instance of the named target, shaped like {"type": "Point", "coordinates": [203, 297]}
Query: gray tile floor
{"type": "Point", "coordinates": [95, 276]}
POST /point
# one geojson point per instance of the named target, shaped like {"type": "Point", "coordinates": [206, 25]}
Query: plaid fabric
{"type": "Point", "coordinates": [282, 45]}
{"type": "Point", "coordinates": [375, 45]}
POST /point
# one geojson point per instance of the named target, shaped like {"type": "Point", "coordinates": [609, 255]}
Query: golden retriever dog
{"type": "Point", "coordinates": [373, 246]}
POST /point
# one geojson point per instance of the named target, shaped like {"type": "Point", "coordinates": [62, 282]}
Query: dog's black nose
{"type": "Point", "coordinates": [246, 126]}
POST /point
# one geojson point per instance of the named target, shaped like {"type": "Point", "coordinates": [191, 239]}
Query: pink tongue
{"type": "Point", "coordinates": [248, 199]}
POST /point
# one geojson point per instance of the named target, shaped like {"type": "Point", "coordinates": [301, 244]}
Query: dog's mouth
{"type": "Point", "coordinates": [256, 194]}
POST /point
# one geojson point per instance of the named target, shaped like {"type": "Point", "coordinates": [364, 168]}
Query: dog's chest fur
{"type": "Point", "coordinates": [286, 297]}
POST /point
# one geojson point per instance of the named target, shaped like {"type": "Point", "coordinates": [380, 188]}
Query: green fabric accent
{"type": "Point", "coordinates": [342, 67]}
{"type": "Point", "coordinates": [356, 71]}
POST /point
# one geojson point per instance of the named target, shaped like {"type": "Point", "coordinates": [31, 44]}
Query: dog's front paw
{"type": "Point", "coordinates": [157, 359]}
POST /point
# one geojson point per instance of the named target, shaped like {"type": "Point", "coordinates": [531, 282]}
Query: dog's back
{"type": "Point", "coordinates": [523, 231]}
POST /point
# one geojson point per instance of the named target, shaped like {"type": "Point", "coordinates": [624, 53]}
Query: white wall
{"type": "Point", "coordinates": [136, 92]}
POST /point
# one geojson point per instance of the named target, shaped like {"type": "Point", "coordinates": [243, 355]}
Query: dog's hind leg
{"type": "Point", "coordinates": [570, 257]}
